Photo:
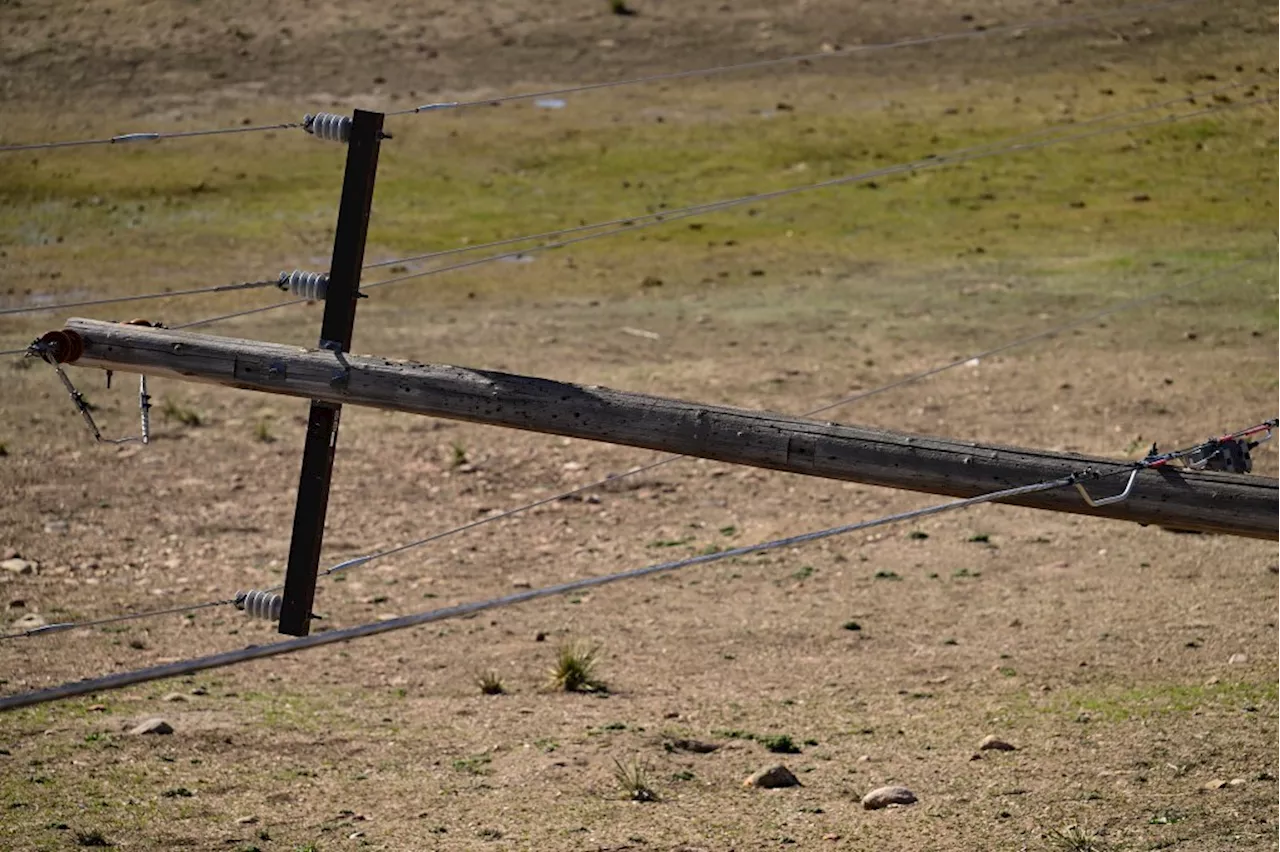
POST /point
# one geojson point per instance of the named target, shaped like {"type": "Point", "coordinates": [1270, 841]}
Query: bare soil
{"type": "Point", "coordinates": [1133, 668]}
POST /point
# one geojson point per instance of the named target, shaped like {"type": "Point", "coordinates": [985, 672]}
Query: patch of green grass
{"type": "Point", "coordinates": [91, 838]}
{"type": "Point", "coordinates": [1153, 700]}
{"type": "Point", "coordinates": [670, 542]}
{"type": "Point", "coordinates": [778, 743]}
{"type": "Point", "coordinates": [887, 575]}
{"type": "Point", "coordinates": [477, 764]}
{"type": "Point", "coordinates": [172, 410]}
{"type": "Point", "coordinates": [177, 793]}
{"type": "Point", "coordinates": [574, 669]}
{"type": "Point", "coordinates": [803, 573]}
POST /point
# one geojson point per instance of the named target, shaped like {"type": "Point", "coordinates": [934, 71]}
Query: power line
{"type": "Point", "coordinates": [1042, 23]}
{"type": "Point", "coordinates": [142, 297]}
{"type": "Point", "coordinates": [1021, 142]}
{"type": "Point", "coordinates": [627, 220]}
{"type": "Point", "coordinates": [147, 136]}
{"type": "Point", "coordinates": [962, 156]}
{"type": "Point", "coordinates": [257, 652]}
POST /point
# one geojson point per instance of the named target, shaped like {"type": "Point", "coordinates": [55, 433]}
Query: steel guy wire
{"type": "Point", "coordinates": [59, 627]}
{"type": "Point", "coordinates": [257, 652]}
{"type": "Point", "coordinates": [897, 383]}
{"type": "Point", "coordinates": [1024, 142]}
{"type": "Point", "coordinates": [661, 214]}
{"type": "Point", "coordinates": [124, 138]}
{"type": "Point", "coordinates": [362, 560]}
{"type": "Point", "coordinates": [917, 41]}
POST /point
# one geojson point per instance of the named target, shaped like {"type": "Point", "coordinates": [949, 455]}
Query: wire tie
{"type": "Point", "coordinates": [134, 137]}
{"type": "Point", "coordinates": [1107, 501]}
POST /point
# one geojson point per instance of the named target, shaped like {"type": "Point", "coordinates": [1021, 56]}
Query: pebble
{"type": "Point", "coordinates": [774, 776]}
{"type": "Point", "coordinates": [994, 743]}
{"type": "Point", "coordinates": [152, 726]}
{"type": "Point", "coordinates": [246, 820]}
{"type": "Point", "coordinates": [97, 708]}
{"type": "Point", "coordinates": [18, 565]}
{"type": "Point", "coordinates": [883, 797]}
{"type": "Point", "coordinates": [1237, 659]}
{"type": "Point", "coordinates": [30, 621]}
{"type": "Point", "coordinates": [174, 696]}
{"type": "Point", "coordinates": [57, 527]}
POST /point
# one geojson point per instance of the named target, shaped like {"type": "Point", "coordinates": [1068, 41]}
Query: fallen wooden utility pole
{"type": "Point", "coordinates": [1172, 497]}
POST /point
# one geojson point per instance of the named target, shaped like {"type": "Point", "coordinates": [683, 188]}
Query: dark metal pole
{"type": "Point", "coordinates": [335, 334]}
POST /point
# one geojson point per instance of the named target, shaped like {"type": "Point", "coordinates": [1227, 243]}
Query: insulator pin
{"type": "Point", "coordinates": [309, 285]}
{"type": "Point", "coordinates": [327, 126]}
{"type": "Point", "coordinates": [258, 604]}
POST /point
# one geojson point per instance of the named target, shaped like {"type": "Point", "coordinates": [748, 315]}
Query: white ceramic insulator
{"type": "Point", "coordinates": [327, 126]}
{"type": "Point", "coordinates": [256, 604]}
{"type": "Point", "coordinates": [309, 285]}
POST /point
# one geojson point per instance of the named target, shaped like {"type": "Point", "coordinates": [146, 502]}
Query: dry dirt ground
{"type": "Point", "coordinates": [1134, 669]}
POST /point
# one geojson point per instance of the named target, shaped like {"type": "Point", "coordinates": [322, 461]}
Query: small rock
{"type": "Point", "coordinates": [1237, 659]}
{"type": "Point", "coordinates": [1215, 784]}
{"type": "Point", "coordinates": [774, 776]}
{"type": "Point", "coordinates": [152, 726]}
{"type": "Point", "coordinates": [57, 527]}
{"type": "Point", "coordinates": [1236, 782]}
{"type": "Point", "coordinates": [831, 837]}
{"type": "Point", "coordinates": [994, 743]}
{"type": "Point", "coordinates": [246, 820]}
{"type": "Point", "coordinates": [174, 697]}
{"type": "Point", "coordinates": [18, 565]}
{"type": "Point", "coordinates": [694, 746]}
{"type": "Point", "coordinates": [883, 797]}
{"type": "Point", "coordinates": [97, 708]}
{"type": "Point", "coordinates": [30, 621]}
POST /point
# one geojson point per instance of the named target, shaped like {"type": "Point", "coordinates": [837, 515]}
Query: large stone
{"type": "Point", "coordinates": [30, 621]}
{"type": "Point", "coordinates": [18, 565]}
{"type": "Point", "coordinates": [774, 776]}
{"type": "Point", "coordinates": [883, 797]}
{"type": "Point", "coordinates": [152, 726]}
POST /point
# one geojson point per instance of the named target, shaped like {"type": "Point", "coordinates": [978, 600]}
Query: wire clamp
{"type": "Point", "coordinates": [1106, 501]}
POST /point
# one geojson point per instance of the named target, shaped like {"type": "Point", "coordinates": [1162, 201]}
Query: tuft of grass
{"type": "Point", "coordinates": [778, 743]}
{"type": "Point", "coordinates": [620, 7]}
{"type": "Point", "coordinates": [575, 668]}
{"type": "Point", "coordinates": [177, 793]}
{"type": "Point", "coordinates": [458, 455]}
{"type": "Point", "coordinates": [262, 432]}
{"type": "Point", "coordinates": [490, 683]}
{"type": "Point", "coordinates": [887, 575]}
{"type": "Point", "coordinates": [980, 538]}
{"type": "Point", "coordinates": [91, 838]}
{"type": "Point", "coordinates": [475, 765]}
{"type": "Point", "coordinates": [171, 409]}
{"type": "Point", "coordinates": [1073, 838]}
{"type": "Point", "coordinates": [633, 779]}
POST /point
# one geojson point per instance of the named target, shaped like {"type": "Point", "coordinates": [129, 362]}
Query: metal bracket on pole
{"type": "Point", "coordinates": [335, 334]}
